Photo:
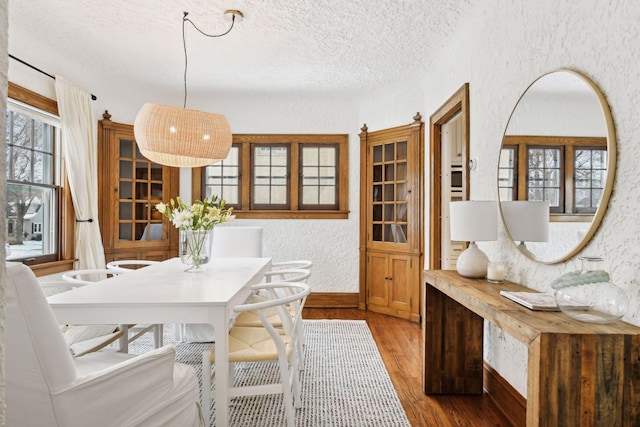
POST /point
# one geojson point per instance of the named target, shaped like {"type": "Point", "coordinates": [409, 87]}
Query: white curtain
{"type": "Point", "coordinates": [80, 148]}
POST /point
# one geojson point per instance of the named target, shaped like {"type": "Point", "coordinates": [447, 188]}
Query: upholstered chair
{"type": "Point", "coordinates": [46, 386]}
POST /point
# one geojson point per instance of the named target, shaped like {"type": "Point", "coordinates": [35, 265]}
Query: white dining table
{"type": "Point", "coordinates": [166, 293]}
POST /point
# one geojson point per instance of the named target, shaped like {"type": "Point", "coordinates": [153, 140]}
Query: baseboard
{"type": "Point", "coordinates": [511, 403]}
{"type": "Point", "coordinates": [332, 300]}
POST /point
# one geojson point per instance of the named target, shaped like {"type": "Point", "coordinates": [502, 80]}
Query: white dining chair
{"type": "Point", "coordinates": [133, 332]}
{"type": "Point", "coordinates": [251, 319]}
{"type": "Point", "coordinates": [228, 242]}
{"type": "Point", "coordinates": [46, 386]}
{"type": "Point", "coordinates": [264, 344]}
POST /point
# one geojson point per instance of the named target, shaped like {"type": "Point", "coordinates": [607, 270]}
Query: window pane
{"type": "Point", "coordinates": [31, 207]}
{"type": "Point", "coordinates": [270, 176]}
{"type": "Point", "coordinates": [223, 179]}
{"type": "Point", "coordinates": [261, 195]}
{"type": "Point", "coordinates": [126, 148]}
{"type": "Point", "coordinates": [377, 153]}
{"type": "Point", "coordinates": [278, 195]}
{"type": "Point", "coordinates": [310, 156]}
{"type": "Point", "coordinates": [327, 156]}
{"type": "Point", "coordinates": [319, 169]}
{"type": "Point", "coordinates": [590, 175]}
{"type": "Point", "coordinates": [310, 195]}
{"type": "Point", "coordinates": [31, 216]}
{"type": "Point", "coordinates": [327, 195]}
{"type": "Point", "coordinates": [20, 164]}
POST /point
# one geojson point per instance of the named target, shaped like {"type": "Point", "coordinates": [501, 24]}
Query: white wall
{"type": "Point", "coordinates": [508, 46]}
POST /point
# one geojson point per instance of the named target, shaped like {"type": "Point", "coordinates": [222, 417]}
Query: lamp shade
{"type": "Point", "coordinates": [179, 137]}
{"type": "Point", "coordinates": [473, 220]}
{"type": "Point", "coordinates": [526, 221]}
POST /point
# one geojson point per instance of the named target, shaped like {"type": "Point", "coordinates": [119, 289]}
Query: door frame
{"type": "Point", "coordinates": [457, 103]}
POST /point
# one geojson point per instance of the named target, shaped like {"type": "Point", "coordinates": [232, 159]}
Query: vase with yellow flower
{"type": "Point", "coordinates": [196, 223]}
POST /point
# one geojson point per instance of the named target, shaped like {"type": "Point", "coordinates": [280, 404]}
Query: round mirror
{"type": "Point", "coordinates": [559, 148]}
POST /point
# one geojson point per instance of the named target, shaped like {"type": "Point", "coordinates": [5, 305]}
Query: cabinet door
{"type": "Point", "coordinates": [140, 185]}
{"type": "Point", "coordinates": [378, 286]}
{"type": "Point", "coordinates": [389, 194]}
{"type": "Point", "coordinates": [403, 287]}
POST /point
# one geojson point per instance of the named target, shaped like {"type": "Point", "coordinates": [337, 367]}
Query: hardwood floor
{"type": "Point", "coordinates": [399, 342]}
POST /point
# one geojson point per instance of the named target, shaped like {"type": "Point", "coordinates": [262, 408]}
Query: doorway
{"type": "Point", "coordinates": [449, 154]}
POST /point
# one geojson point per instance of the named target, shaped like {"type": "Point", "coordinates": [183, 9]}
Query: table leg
{"type": "Point", "coordinates": [222, 370]}
{"type": "Point", "coordinates": [452, 358]}
{"type": "Point", "coordinates": [124, 339]}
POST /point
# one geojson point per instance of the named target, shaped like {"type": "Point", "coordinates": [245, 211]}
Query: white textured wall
{"type": "Point", "coordinates": [500, 49]}
{"type": "Point", "coordinates": [3, 107]}
{"type": "Point", "coordinates": [507, 48]}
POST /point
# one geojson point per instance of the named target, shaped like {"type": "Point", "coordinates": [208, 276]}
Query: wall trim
{"type": "Point", "coordinates": [508, 400]}
{"type": "Point", "coordinates": [332, 300]}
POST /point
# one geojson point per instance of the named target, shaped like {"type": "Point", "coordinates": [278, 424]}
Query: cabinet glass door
{"type": "Point", "coordinates": [139, 190]}
{"type": "Point", "coordinates": [389, 192]}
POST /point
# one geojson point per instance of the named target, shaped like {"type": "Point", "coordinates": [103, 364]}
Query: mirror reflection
{"type": "Point", "coordinates": [558, 148]}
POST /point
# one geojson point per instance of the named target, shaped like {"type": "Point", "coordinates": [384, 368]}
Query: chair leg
{"type": "Point", "coordinates": [206, 386]}
{"type": "Point", "coordinates": [294, 374]}
{"type": "Point", "coordinates": [286, 391]}
{"type": "Point", "coordinates": [300, 346]}
{"type": "Point", "coordinates": [158, 330]}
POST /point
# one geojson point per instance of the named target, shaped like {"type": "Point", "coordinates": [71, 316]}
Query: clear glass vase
{"type": "Point", "coordinates": [592, 301]}
{"type": "Point", "coordinates": [195, 248]}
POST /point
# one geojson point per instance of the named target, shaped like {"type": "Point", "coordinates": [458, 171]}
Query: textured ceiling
{"type": "Point", "coordinates": [281, 45]}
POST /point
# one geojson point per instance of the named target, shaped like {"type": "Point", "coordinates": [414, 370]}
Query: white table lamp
{"type": "Point", "coordinates": [473, 221]}
{"type": "Point", "coordinates": [526, 221]}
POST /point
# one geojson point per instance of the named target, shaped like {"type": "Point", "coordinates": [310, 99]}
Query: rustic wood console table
{"type": "Point", "coordinates": [579, 374]}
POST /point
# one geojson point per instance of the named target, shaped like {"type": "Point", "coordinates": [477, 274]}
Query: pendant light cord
{"type": "Point", "coordinates": [184, 45]}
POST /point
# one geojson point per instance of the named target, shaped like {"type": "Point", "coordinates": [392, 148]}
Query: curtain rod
{"type": "Point", "coordinates": [93, 97]}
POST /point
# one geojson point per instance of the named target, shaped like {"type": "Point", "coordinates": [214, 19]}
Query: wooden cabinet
{"type": "Point", "coordinates": [389, 286]}
{"type": "Point", "coordinates": [391, 239]}
{"type": "Point", "coordinates": [129, 187]}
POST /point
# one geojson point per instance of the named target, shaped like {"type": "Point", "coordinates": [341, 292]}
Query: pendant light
{"type": "Point", "coordinates": [181, 137]}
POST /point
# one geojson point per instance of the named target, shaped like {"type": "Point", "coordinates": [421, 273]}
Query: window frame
{"type": "Point", "coordinates": [296, 210]}
{"type": "Point", "coordinates": [64, 258]}
{"type": "Point", "coordinates": [567, 144]}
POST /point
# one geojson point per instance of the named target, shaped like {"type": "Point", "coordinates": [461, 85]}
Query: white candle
{"type": "Point", "coordinates": [495, 272]}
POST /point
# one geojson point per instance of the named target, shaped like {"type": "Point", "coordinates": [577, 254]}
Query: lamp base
{"type": "Point", "coordinates": [472, 262]}
{"type": "Point", "coordinates": [522, 247]}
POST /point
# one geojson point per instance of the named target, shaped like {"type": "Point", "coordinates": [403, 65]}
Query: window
{"type": "Point", "coordinates": [289, 176]}
{"type": "Point", "coordinates": [33, 192]}
{"type": "Point", "coordinates": [568, 172]}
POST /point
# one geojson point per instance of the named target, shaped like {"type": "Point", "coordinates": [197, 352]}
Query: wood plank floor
{"type": "Point", "coordinates": [399, 342]}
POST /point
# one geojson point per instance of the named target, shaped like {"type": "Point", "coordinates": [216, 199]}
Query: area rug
{"type": "Point", "coordinates": [345, 382]}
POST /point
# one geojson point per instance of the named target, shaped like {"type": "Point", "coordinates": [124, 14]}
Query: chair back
{"type": "Point", "coordinates": [129, 265]}
{"type": "Point", "coordinates": [234, 242]}
{"type": "Point", "coordinates": [282, 296]}
{"type": "Point", "coordinates": [37, 357]}
{"type": "Point", "coordinates": [290, 275]}
{"type": "Point", "coordinates": [297, 263]}
{"type": "Point", "coordinates": [84, 277]}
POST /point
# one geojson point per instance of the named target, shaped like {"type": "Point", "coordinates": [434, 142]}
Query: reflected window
{"type": "Point", "coordinates": [568, 172]}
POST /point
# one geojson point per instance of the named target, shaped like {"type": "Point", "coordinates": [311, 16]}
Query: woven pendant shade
{"type": "Point", "coordinates": [179, 137]}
